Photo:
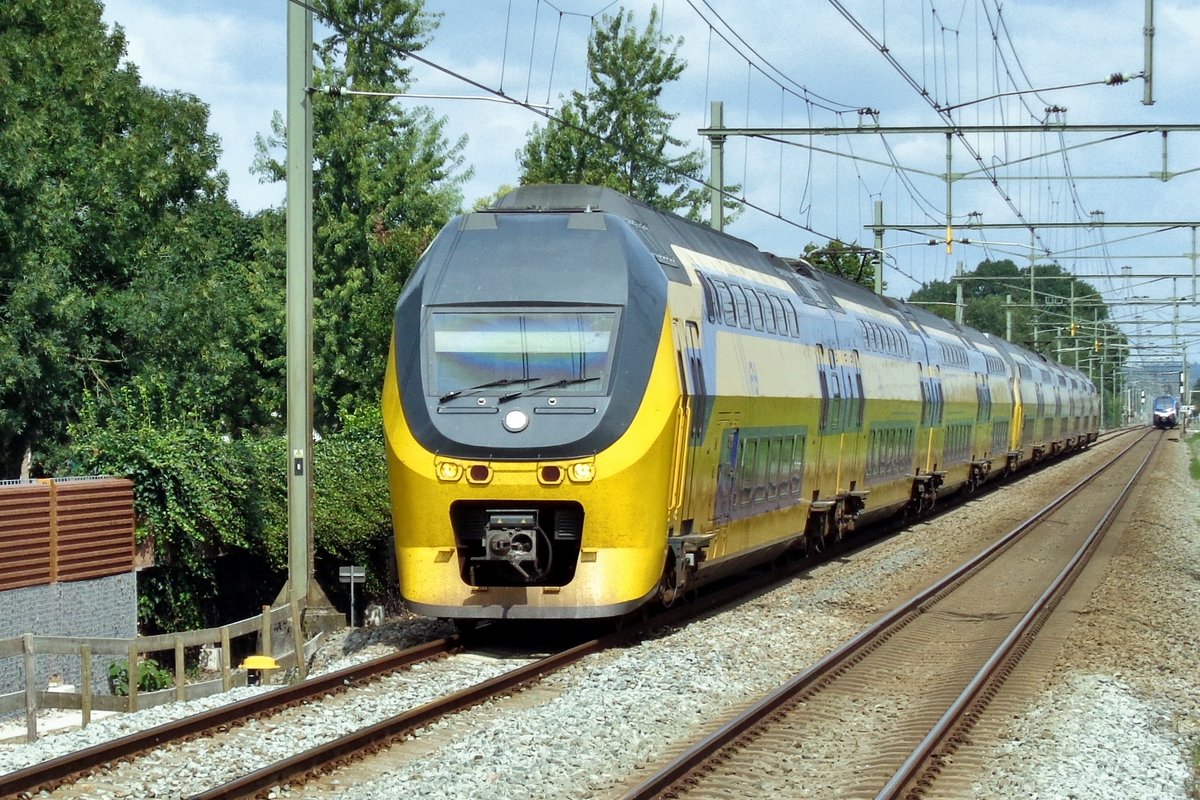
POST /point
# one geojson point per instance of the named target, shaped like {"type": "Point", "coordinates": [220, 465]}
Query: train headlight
{"type": "Point", "coordinates": [479, 473]}
{"type": "Point", "coordinates": [582, 472]}
{"type": "Point", "coordinates": [448, 471]}
{"type": "Point", "coordinates": [516, 421]}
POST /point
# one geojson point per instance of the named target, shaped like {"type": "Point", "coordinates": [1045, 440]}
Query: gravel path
{"type": "Point", "coordinates": [1123, 703]}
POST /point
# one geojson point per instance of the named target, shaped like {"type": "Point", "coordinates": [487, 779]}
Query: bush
{"type": "Point", "coordinates": [215, 505]}
{"type": "Point", "coordinates": [150, 677]}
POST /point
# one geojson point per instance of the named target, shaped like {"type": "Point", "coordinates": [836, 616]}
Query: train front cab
{"type": "Point", "coordinates": [512, 495]}
{"type": "Point", "coordinates": [608, 500]}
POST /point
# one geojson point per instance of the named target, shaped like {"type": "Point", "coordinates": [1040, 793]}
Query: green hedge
{"type": "Point", "coordinates": [215, 506]}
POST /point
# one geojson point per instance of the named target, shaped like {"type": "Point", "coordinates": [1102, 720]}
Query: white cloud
{"type": "Point", "coordinates": [230, 54]}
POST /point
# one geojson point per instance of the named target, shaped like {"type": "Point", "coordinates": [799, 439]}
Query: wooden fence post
{"type": "Point", "coordinates": [226, 675]}
{"type": "Point", "coordinates": [85, 677]}
{"type": "Point", "coordinates": [31, 733]}
{"type": "Point", "coordinates": [180, 675]}
{"type": "Point", "coordinates": [133, 675]}
{"type": "Point", "coordinates": [265, 641]}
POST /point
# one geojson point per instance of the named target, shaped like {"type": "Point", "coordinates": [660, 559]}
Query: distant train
{"type": "Point", "coordinates": [1166, 411]}
{"type": "Point", "coordinates": [591, 405]}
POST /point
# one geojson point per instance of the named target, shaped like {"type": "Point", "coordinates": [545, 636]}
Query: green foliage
{"type": "Point", "coordinates": [119, 252]}
{"type": "Point", "coordinates": [195, 494]}
{"type": "Point", "coordinates": [985, 293]}
{"type": "Point", "coordinates": [617, 134]}
{"type": "Point", "coordinates": [385, 181]}
{"type": "Point", "coordinates": [352, 521]}
{"type": "Point", "coordinates": [215, 507]}
{"type": "Point", "coordinates": [150, 677]}
{"type": "Point", "coordinates": [844, 260]}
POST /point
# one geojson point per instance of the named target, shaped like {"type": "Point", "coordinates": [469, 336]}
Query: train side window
{"type": "Point", "coordinates": [768, 313]}
{"type": "Point", "coordinates": [773, 461]}
{"type": "Point", "coordinates": [749, 454]}
{"type": "Point", "coordinates": [756, 312]}
{"type": "Point", "coordinates": [725, 297]}
{"type": "Point", "coordinates": [712, 311]}
{"type": "Point", "coordinates": [789, 311]}
{"type": "Point", "coordinates": [781, 323]}
{"type": "Point", "coordinates": [761, 470]}
{"type": "Point", "coordinates": [742, 305]}
{"type": "Point", "coordinates": [861, 400]}
{"type": "Point", "coordinates": [797, 469]}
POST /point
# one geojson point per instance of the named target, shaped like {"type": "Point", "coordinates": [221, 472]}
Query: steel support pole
{"type": "Point", "coordinates": [299, 299]}
{"type": "Point", "coordinates": [879, 247]}
{"type": "Point", "coordinates": [716, 177]}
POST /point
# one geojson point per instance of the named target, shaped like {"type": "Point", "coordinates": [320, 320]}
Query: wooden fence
{"type": "Point", "coordinates": [29, 647]}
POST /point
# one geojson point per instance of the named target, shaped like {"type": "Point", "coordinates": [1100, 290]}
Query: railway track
{"type": "Point", "coordinates": [60, 773]}
{"type": "Point", "coordinates": [348, 748]}
{"type": "Point", "coordinates": [883, 715]}
{"type": "Point", "coordinates": [56, 772]}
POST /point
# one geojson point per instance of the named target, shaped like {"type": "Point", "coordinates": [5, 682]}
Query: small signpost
{"type": "Point", "coordinates": [352, 575]}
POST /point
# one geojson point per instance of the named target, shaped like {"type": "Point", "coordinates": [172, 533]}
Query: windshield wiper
{"type": "Point", "coordinates": [504, 398]}
{"type": "Point", "coordinates": [488, 385]}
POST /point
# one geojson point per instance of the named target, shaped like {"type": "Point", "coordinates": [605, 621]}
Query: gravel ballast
{"type": "Point", "coordinates": [1122, 702]}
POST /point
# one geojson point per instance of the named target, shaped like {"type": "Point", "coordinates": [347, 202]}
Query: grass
{"type": "Point", "coordinates": [1193, 787]}
{"type": "Point", "coordinates": [1194, 467]}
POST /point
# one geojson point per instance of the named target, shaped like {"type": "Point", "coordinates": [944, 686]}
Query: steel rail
{"type": "Point", "coordinates": [50, 774]}
{"type": "Point", "coordinates": [377, 735]}
{"type": "Point", "coordinates": [957, 719]}
{"type": "Point", "coordinates": [844, 655]}
{"type": "Point", "coordinates": [312, 760]}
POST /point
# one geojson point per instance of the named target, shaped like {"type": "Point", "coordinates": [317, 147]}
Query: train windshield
{"type": "Point", "coordinates": [1164, 403]}
{"type": "Point", "coordinates": [482, 349]}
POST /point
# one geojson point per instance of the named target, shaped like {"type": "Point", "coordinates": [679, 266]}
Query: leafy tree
{"type": "Point", "coordinates": [844, 260]}
{"type": "Point", "coordinates": [115, 231]}
{"type": "Point", "coordinates": [986, 307]}
{"type": "Point", "coordinates": [617, 134]}
{"type": "Point", "coordinates": [215, 506]}
{"type": "Point", "coordinates": [385, 180]}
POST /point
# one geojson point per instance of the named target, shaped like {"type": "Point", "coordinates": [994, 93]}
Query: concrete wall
{"type": "Point", "coordinates": [102, 607]}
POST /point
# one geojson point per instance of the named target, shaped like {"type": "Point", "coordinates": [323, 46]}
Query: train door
{"type": "Point", "coordinates": [826, 452]}
{"type": "Point", "coordinates": [854, 408]}
{"type": "Point", "coordinates": [727, 476]}
{"type": "Point", "coordinates": [689, 422]}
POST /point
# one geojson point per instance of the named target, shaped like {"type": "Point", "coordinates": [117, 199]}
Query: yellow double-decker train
{"type": "Point", "coordinates": [591, 405]}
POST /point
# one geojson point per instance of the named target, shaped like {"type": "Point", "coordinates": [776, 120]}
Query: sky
{"type": "Point", "coordinates": [807, 65]}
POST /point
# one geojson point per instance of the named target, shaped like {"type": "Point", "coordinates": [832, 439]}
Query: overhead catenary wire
{"type": "Point", "coordinates": [545, 114]}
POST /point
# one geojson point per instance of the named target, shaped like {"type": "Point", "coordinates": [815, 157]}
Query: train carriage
{"type": "Point", "coordinates": [590, 405]}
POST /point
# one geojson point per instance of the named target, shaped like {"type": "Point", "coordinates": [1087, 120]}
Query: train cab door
{"type": "Point", "coordinates": [689, 424]}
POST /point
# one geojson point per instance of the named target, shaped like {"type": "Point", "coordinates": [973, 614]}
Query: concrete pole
{"type": "Point", "coordinates": [299, 299]}
{"type": "Point", "coordinates": [716, 177]}
{"type": "Point", "coordinates": [1008, 317]}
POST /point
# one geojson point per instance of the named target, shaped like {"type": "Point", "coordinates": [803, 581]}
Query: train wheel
{"type": "Point", "coordinates": [668, 587]}
{"type": "Point", "coordinates": [466, 627]}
